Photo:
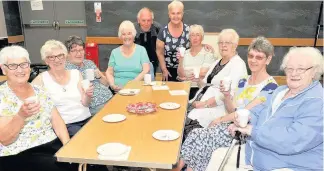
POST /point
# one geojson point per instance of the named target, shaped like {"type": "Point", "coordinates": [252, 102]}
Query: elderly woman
{"type": "Point", "coordinates": [287, 130]}
{"type": "Point", "coordinates": [76, 60]}
{"type": "Point", "coordinates": [208, 101]}
{"type": "Point", "coordinates": [195, 58]}
{"type": "Point", "coordinates": [129, 61]}
{"type": "Point", "coordinates": [170, 38]}
{"type": "Point", "coordinates": [196, 61]}
{"type": "Point", "coordinates": [31, 129]}
{"type": "Point", "coordinates": [251, 91]}
{"type": "Point", "coordinates": [64, 87]}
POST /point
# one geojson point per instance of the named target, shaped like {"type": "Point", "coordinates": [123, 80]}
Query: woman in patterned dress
{"type": "Point", "coordinates": [30, 131]}
{"type": "Point", "coordinates": [76, 60]}
{"type": "Point", "coordinates": [251, 91]}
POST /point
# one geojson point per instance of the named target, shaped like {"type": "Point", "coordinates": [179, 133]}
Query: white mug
{"type": "Point", "coordinates": [89, 74]}
{"type": "Point", "coordinates": [32, 99]}
{"type": "Point", "coordinates": [85, 84]}
{"type": "Point", "coordinates": [147, 79]}
{"type": "Point", "coordinates": [226, 83]}
{"type": "Point", "coordinates": [243, 116]}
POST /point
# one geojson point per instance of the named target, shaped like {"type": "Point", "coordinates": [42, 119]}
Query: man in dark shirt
{"type": "Point", "coordinates": [147, 31]}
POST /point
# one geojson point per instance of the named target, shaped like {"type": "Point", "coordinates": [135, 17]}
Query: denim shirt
{"type": "Point", "coordinates": [101, 93]}
{"type": "Point", "coordinates": [292, 136]}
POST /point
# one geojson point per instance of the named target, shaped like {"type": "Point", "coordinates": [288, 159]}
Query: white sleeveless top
{"type": "Point", "coordinates": [67, 99]}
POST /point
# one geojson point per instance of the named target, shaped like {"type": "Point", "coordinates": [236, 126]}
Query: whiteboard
{"type": "Point", "coordinates": [3, 29]}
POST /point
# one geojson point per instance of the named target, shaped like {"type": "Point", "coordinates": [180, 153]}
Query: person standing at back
{"type": "Point", "coordinates": [147, 31]}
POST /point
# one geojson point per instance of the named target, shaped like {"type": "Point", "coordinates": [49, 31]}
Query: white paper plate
{"type": "Point", "coordinates": [114, 118]}
{"type": "Point", "coordinates": [128, 92]}
{"type": "Point", "coordinates": [169, 105]}
{"type": "Point", "coordinates": [151, 84]}
{"type": "Point", "coordinates": [112, 149]}
{"type": "Point", "coordinates": [166, 135]}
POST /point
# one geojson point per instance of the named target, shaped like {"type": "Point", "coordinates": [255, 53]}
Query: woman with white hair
{"type": "Point", "coordinates": [65, 87]}
{"type": "Point", "coordinates": [196, 61]}
{"type": "Point", "coordinates": [129, 61]}
{"type": "Point", "coordinates": [209, 100]}
{"type": "Point", "coordinates": [287, 130]}
{"type": "Point", "coordinates": [174, 35]}
{"type": "Point", "coordinates": [31, 129]}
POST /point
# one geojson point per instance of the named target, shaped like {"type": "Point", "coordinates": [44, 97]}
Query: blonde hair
{"type": "Point", "coordinates": [175, 4]}
{"type": "Point", "coordinates": [232, 33]}
{"type": "Point", "coordinates": [126, 24]}
{"type": "Point", "coordinates": [197, 28]}
{"type": "Point", "coordinates": [13, 51]}
{"type": "Point", "coordinates": [143, 9]}
{"type": "Point", "coordinates": [49, 46]}
{"type": "Point", "coordinates": [309, 53]}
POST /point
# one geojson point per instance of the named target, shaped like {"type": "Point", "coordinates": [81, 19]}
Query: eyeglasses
{"type": "Point", "coordinates": [259, 58]}
{"type": "Point", "coordinates": [59, 56]}
{"type": "Point", "coordinates": [15, 66]}
{"type": "Point", "coordinates": [77, 51]}
{"type": "Point", "coordinates": [225, 43]}
{"type": "Point", "coordinates": [298, 70]}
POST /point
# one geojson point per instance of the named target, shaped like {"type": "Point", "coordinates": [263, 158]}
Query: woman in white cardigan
{"type": "Point", "coordinates": [208, 100]}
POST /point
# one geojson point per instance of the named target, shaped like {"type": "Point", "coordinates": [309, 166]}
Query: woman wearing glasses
{"type": "Point", "coordinates": [76, 60]}
{"type": "Point", "coordinates": [249, 92]}
{"type": "Point", "coordinates": [287, 130]}
{"type": "Point", "coordinates": [64, 87]}
{"type": "Point", "coordinates": [31, 130]}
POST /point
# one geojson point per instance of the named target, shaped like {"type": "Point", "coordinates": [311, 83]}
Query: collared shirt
{"type": "Point", "coordinates": [148, 40]}
{"type": "Point", "coordinates": [101, 93]}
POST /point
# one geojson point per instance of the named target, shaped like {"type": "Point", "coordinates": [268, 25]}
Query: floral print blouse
{"type": "Point", "coordinates": [37, 129]}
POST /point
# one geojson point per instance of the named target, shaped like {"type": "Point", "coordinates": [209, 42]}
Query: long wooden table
{"type": "Point", "coordinates": [136, 131]}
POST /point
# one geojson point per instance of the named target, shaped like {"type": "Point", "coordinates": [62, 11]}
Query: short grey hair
{"type": "Point", "coordinates": [72, 41]}
{"type": "Point", "coordinates": [232, 33]}
{"type": "Point", "coordinates": [51, 45]}
{"type": "Point", "coordinates": [197, 28]}
{"type": "Point", "coordinates": [126, 25]}
{"type": "Point", "coordinates": [11, 52]}
{"type": "Point", "coordinates": [145, 8]}
{"type": "Point", "coordinates": [263, 45]}
{"type": "Point", "coordinates": [309, 53]}
{"type": "Point", "coordinates": [175, 4]}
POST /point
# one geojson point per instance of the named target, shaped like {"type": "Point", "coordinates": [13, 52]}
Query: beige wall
{"type": "Point", "coordinates": [3, 29]}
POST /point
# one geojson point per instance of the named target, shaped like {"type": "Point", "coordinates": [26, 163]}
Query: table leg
{"type": "Point", "coordinates": [82, 167]}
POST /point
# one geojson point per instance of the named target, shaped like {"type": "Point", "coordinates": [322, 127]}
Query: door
{"type": "Point", "coordinates": [58, 20]}
{"type": "Point", "coordinates": [38, 27]}
{"type": "Point", "coordinates": [70, 16]}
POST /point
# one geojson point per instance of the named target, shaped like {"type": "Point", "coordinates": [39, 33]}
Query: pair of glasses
{"type": "Point", "coordinates": [298, 70]}
{"type": "Point", "coordinates": [77, 51]}
{"type": "Point", "coordinates": [23, 65]}
{"type": "Point", "coordinates": [259, 58]}
{"type": "Point", "coordinates": [225, 43]}
{"type": "Point", "coordinates": [59, 56]}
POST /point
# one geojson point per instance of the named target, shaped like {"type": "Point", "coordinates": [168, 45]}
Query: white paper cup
{"type": "Point", "coordinates": [196, 72]}
{"type": "Point", "coordinates": [32, 99]}
{"type": "Point", "coordinates": [85, 84]}
{"type": "Point", "coordinates": [182, 51]}
{"type": "Point", "coordinates": [90, 74]}
{"type": "Point", "coordinates": [188, 72]}
{"type": "Point", "coordinates": [227, 83]}
{"type": "Point", "coordinates": [147, 79]}
{"type": "Point", "coordinates": [243, 116]}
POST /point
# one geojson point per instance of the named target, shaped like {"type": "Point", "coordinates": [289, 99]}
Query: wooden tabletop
{"type": "Point", "coordinates": [136, 131]}
{"type": "Point", "coordinates": [3, 78]}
